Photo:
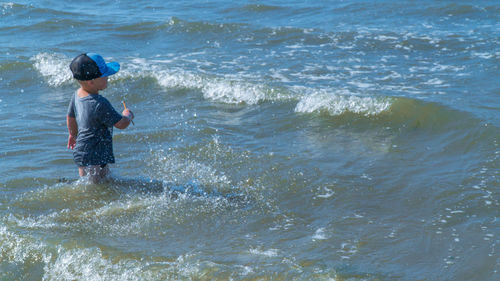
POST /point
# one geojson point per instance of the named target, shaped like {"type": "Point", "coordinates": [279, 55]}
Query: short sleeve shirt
{"type": "Point", "coordinates": [95, 117]}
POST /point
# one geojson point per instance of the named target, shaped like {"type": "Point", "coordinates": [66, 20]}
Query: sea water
{"type": "Point", "coordinates": [290, 140]}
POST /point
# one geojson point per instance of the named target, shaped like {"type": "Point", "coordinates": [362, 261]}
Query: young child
{"type": "Point", "coordinates": [91, 117]}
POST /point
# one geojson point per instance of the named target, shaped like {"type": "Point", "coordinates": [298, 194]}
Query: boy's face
{"type": "Point", "coordinates": [100, 83]}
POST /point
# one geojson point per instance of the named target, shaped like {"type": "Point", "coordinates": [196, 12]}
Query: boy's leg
{"type": "Point", "coordinates": [95, 173]}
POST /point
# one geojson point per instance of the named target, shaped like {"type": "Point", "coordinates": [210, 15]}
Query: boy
{"type": "Point", "coordinates": [91, 117]}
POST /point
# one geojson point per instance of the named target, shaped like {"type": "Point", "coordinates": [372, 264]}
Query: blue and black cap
{"type": "Point", "coordinates": [91, 66]}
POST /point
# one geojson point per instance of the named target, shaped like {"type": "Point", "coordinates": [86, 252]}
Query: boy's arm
{"type": "Point", "coordinates": [126, 119]}
{"type": "Point", "coordinates": [73, 131]}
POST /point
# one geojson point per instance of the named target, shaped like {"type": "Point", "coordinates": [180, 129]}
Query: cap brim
{"type": "Point", "coordinates": [111, 68]}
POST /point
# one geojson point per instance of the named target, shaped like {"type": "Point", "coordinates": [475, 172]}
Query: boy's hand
{"type": "Point", "coordinates": [126, 119]}
{"type": "Point", "coordinates": [71, 141]}
{"type": "Point", "coordinates": [128, 113]}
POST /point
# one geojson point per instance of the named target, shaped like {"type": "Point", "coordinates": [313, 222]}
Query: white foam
{"type": "Point", "coordinates": [89, 264]}
{"type": "Point", "coordinates": [279, 76]}
{"type": "Point", "coordinates": [54, 67]}
{"type": "Point", "coordinates": [17, 248]}
{"type": "Point", "coordinates": [236, 89]}
{"type": "Point", "coordinates": [483, 55]}
{"type": "Point", "coordinates": [267, 253]}
{"type": "Point", "coordinates": [226, 89]}
{"type": "Point", "coordinates": [386, 38]}
{"type": "Point", "coordinates": [319, 234]}
{"type": "Point", "coordinates": [93, 264]}
{"type": "Point", "coordinates": [234, 92]}
{"type": "Point", "coordinates": [361, 85]}
{"type": "Point", "coordinates": [434, 82]}
{"type": "Point", "coordinates": [218, 89]}
{"type": "Point", "coordinates": [45, 222]}
{"type": "Point", "coordinates": [337, 104]}
{"type": "Point", "coordinates": [445, 68]}
{"type": "Point", "coordinates": [348, 249]}
{"type": "Point", "coordinates": [328, 193]}
{"type": "Point", "coordinates": [391, 76]}
{"type": "Point", "coordinates": [5, 7]}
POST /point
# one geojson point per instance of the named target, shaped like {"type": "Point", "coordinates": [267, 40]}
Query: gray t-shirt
{"type": "Point", "coordinates": [95, 117]}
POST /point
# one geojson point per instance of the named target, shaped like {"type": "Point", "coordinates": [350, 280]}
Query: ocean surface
{"type": "Point", "coordinates": [273, 140]}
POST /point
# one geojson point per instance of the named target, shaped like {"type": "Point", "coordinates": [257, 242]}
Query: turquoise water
{"type": "Point", "coordinates": [273, 140]}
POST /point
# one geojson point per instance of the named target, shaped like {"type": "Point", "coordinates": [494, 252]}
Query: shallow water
{"type": "Point", "coordinates": [353, 140]}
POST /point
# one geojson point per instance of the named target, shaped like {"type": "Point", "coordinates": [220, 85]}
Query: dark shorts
{"type": "Point", "coordinates": [90, 156]}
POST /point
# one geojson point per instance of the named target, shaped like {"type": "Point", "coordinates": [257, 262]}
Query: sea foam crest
{"type": "Point", "coordinates": [221, 89]}
{"type": "Point", "coordinates": [215, 88]}
{"type": "Point", "coordinates": [319, 234]}
{"type": "Point", "coordinates": [234, 91]}
{"type": "Point", "coordinates": [7, 5]}
{"type": "Point", "coordinates": [339, 103]}
{"type": "Point", "coordinates": [54, 67]}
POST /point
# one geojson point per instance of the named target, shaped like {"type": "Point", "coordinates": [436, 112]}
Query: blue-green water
{"type": "Point", "coordinates": [316, 140]}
